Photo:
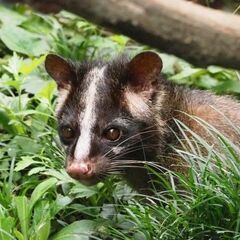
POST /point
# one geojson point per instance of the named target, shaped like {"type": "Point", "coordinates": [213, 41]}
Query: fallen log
{"type": "Point", "coordinates": [201, 35]}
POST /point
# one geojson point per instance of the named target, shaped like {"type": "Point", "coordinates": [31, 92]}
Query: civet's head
{"type": "Point", "coordinates": [104, 112]}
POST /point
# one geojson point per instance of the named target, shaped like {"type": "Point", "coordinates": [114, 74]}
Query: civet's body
{"type": "Point", "coordinates": [114, 115]}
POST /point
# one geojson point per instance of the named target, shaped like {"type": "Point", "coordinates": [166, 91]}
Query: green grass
{"type": "Point", "coordinates": [39, 201]}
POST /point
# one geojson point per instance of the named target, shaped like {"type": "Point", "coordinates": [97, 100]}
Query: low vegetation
{"type": "Point", "coordinates": [39, 201]}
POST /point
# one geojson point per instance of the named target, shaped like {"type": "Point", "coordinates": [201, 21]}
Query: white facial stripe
{"type": "Point", "coordinates": [88, 116]}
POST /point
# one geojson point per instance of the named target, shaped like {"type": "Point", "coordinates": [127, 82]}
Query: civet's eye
{"type": "Point", "coordinates": [112, 134]}
{"type": "Point", "coordinates": [67, 133]}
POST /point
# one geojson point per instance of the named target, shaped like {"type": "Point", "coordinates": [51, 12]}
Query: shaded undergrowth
{"type": "Point", "coordinates": [38, 200]}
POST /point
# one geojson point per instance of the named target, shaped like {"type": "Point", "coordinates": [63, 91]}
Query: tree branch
{"type": "Point", "coordinates": [198, 34]}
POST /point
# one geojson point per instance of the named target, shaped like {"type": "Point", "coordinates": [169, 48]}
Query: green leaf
{"type": "Point", "coordinates": [39, 121]}
{"type": "Point", "coordinates": [188, 72]}
{"type": "Point", "coordinates": [61, 175]}
{"type": "Point", "coordinates": [120, 39]}
{"type": "Point", "coordinates": [42, 230]}
{"type": "Point", "coordinates": [206, 81]}
{"type": "Point", "coordinates": [215, 69]}
{"type": "Point", "coordinates": [47, 92]}
{"type": "Point", "coordinates": [42, 220]}
{"type": "Point", "coordinates": [13, 83]}
{"type": "Point", "coordinates": [41, 189]}
{"type": "Point", "coordinates": [38, 23]}
{"type": "Point", "coordinates": [61, 202]}
{"type": "Point", "coordinates": [5, 100]}
{"type": "Point", "coordinates": [23, 212]}
{"type": "Point", "coordinates": [14, 64]}
{"type": "Point", "coordinates": [36, 170]}
{"type": "Point", "coordinates": [228, 86]}
{"type": "Point", "coordinates": [34, 83]}
{"type": "Point", "coordinates": [6, 225]}
{"type": "Point", "coordinates": [18, 234]}
{"type": "Point", "coordinates": [5, 120]}
{"type": "Point", "coordinates": [25, 145]}
{"type": "Point", "coordinates": [80, 190]}
{"type": "Point", "coordinates": [30, 65]}
{"type": "Point", "coordinates": [79, 230]}
{"type": "Point", "coordinates": [10, 17]}
{"type": "Point", "coordinates": [24, 163]}
{"type": "Point", "coordinates": [22, 41]}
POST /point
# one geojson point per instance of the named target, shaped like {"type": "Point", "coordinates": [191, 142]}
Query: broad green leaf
{"type": "Point", "coordinates": [25, 144]}
{"type": "Point", "coordinates": [62, 202]}
{"type": "Point", "coordinates": [173, 65]}
{"type": "Point", "coordinates": [30, 65]}
{"type": "Point", "coordinates": [61, 175]}
{"type": "Point", "coordinates": [24, 163]}
{"type": "Point", "coordinates": [13, 83]}
{"type": "Point", "coordinates": [79, 230]}
{"type": "Point", "coordinates": [70, 16]}
{"type": "Point", "coordinates": [42, 231]}
{"type": "Point", "coordinates": [22, 41]}
{"type": "Point", "coordinates": [41, 189]}
{"type": "Point", "coordinates": [10, 17]}
{"type": "Point", "coordinates": [47, 91]}
{"type": "Point", "coordinates": [23, 212]}
{"type": "Point", "coordinates": [34, 83]}
{"type": "Point", "coordinates": [5, 101]}
{"type": "Point", "coordinates": [188, 72]}
{"type": "Point", "coordinates": [36, 170]}
{"type": "Point", "coordinates": [14, 64]}
{"type": "Point", "coordinates": [80, 190]}
{"type": "Point", "coordinates": [18, 234]}
{"type": "Point", "coordinates": [38, 23]}
{"type": "Point", "coordinates": [108, 210]}
{"type": "Point", "coordinates": [20, 128]}
{"type": "Point", "coordinates": [5, 120]}
{"type": "Point", "coordinates": [42, 220]}
{"type": "Point", "coordinates": [207, 81]}
{"type": "Point", "coordinates": [120, 39]}
{"type": "Point", "coordinates": [6, 226]}
{"type": "Point", "coordinates": [228, 86]}
{"type": "Point", "coordinates": [19, 103]}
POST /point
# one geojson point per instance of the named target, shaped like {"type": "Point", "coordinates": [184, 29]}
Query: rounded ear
{"type": "Point", "coordinates": [60, 70]}
{"type": "Point", "coordinates": [143, 71]}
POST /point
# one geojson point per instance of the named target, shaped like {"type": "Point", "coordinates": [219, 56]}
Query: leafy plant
{"type": "Point", "coordinates": [39, 201]}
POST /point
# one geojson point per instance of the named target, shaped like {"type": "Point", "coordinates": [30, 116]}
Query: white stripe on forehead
{"type": "Point", "coordinates": [88, 116]}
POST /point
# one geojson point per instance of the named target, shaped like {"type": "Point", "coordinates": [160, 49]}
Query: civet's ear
{"type": "Point", "coordinates": [143, 71]}
{"type": "Point", "coordinates": [60, 70]}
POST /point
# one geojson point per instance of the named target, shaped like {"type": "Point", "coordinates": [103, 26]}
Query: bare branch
{"type": "Point", "coordinates": [198, 34]}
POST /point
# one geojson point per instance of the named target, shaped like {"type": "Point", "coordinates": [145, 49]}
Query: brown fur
{"type": "Point", "coordinates": [221, 112]}
{"type": "Point", "coordinates": [174, 102]}
{"type": "Point", "coordinates": [143, 107]}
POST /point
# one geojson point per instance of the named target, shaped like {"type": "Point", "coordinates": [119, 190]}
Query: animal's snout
{"type": "Point", "coordinates": [80, 170]}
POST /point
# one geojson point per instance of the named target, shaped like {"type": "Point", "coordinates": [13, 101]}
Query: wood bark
{"type": "Point", "coordinates": [198, 34]}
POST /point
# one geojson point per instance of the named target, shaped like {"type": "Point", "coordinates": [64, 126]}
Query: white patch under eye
{"type": "Point", "coordinates": [117, 150]}
{"type": "Point", "coordinates": [88, 116]}
{"type": "Point", "coordinates": [137, 105]}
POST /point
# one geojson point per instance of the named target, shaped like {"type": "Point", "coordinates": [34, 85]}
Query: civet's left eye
{"type": "Point", "coordinates": [112, 134]}
{"type": "Point", "coordinates": [67, 134]}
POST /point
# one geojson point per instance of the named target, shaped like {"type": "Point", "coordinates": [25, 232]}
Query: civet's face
{"type": "Point", "coordinates": [104, 112]}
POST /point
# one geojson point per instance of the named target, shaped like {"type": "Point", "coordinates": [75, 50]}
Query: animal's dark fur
{"type": "Point", "coordinates": [147, 136]}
